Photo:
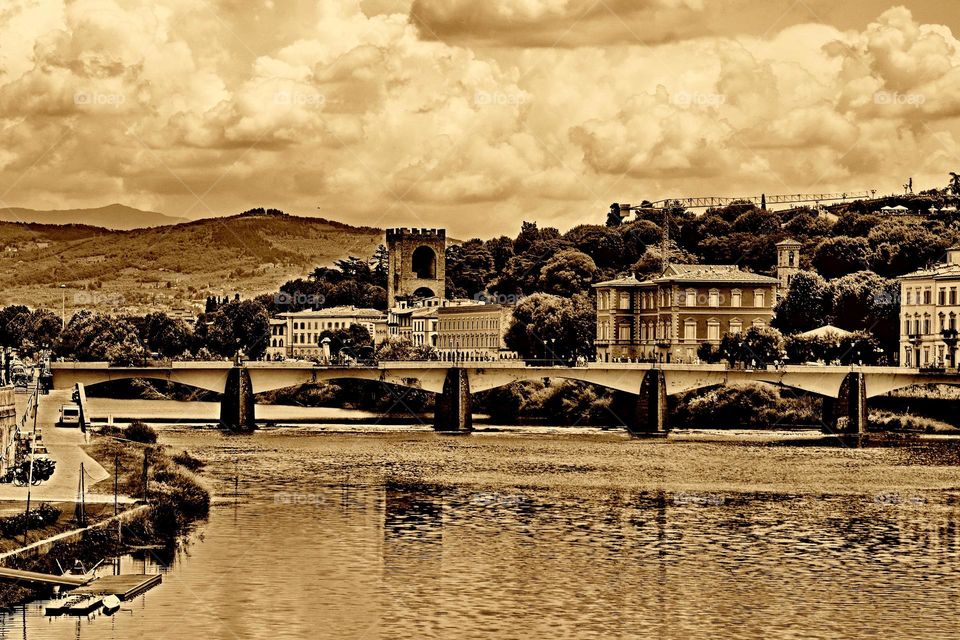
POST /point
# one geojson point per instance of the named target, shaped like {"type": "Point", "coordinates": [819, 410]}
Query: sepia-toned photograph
{"type": "Point", "coordinates": [479, 319]}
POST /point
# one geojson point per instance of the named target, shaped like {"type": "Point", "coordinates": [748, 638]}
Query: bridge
{"type": "Point", "coordinates": [845, 389]}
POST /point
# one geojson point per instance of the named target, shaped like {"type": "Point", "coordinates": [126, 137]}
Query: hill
{"type": "Point", "coordinates": [112, 216]}
{"type": "Point", "coordinates": [168, 267]}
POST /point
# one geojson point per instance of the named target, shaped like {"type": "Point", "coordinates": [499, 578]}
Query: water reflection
{"type": "Point", "coordinates": [325, 541]}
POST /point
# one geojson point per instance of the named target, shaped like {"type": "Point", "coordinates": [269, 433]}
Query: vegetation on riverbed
{"type": "Point", "coordinates": [177, 499]}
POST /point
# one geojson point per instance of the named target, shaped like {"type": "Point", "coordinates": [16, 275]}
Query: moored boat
{"type": "Point", "coordinates": [110, 604]}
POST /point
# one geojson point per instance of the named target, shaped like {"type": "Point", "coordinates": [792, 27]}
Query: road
{"type": "Point", "coordinates": [64, 446]}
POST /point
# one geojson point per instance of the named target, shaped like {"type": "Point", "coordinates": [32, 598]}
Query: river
{"type": "Point", "coordinates": [345, 532]}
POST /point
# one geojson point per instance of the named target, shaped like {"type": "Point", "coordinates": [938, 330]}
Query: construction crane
{"type": "Point", "coordinates": [705, 202]}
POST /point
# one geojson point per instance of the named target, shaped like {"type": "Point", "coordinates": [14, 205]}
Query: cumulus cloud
{"type": "Point", "coordinates": [358, 108]}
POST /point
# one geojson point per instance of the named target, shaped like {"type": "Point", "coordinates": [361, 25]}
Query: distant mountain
{"type": "Point", "coordinates": [172, 266]}
{"type": "Point", "coordinates": [112, 216]}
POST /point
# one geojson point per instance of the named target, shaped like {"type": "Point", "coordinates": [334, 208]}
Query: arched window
{"type": "Point", "coordinates": [424, 262]}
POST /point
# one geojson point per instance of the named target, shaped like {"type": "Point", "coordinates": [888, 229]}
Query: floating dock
{"type": "Point", "coordinates": [124, 587]}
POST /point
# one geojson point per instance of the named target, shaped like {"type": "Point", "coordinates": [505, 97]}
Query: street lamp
{"type": "Point", "coordinates": [63, 306]}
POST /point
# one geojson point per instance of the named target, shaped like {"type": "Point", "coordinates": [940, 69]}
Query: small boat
{"type": "Point", "coordinates": [110, 604]}
{"type": "Point", "coordinates": [85, 605]}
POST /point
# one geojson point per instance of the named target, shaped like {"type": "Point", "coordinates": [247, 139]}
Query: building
{"type": "Point", "coordinates": [400, 317]}
{"type": "Point", "coordinates": [929, 308]}
{"type": "Point", "coordinates": [474, 332]}
{"type": "Point", "coordinates": [416, 264]}
{"type": "Point", "coordinates": [665, 319]}
{"type": "Point", "coordinates": [788, 263]}
{"type": "Point", "coordinates": [296, 334]}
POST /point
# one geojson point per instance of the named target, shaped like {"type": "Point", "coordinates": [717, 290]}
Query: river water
{"type": "Point", "coordinates": [333, 532]}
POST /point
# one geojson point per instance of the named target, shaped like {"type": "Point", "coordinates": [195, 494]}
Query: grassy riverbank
{"type": "Point", "coordinates": [177, 499]}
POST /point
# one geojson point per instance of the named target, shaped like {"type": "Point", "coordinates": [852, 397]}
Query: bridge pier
{"type": "Point", "coordinates": [848, 412]}
{"type": "Point", "coordinates": [651, 417]}
{"type": "Point", "coordinates": [453, 413]}
{"type": "Point", "coordinates": [236, 406]}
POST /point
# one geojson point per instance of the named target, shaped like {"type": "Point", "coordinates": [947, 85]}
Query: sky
{"type": "Point", "coordinates": [472, 116]}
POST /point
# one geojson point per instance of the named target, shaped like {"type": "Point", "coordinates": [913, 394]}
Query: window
{"type": "Point", "coordinates": [624, 300]}
{"type": "Point", "coordinates": [941, 296]}
{"type": "Point", "coordinates": [758, 322]}
{"type": "Point", "coordinates": [602, 300]}
{"type": "Point", "coordinates": [713, 329]}
{"type": "Point", "coordinates": [953, 296]}
{"type": "Point", "coordinates": [791, 261]}
{"type": "Point", "coordinates": [713, 299]}
{"type": "Point", "coordinates": [759, 299]}
{"type": "Point", "coordinates": [624, 333]}
{"type": "Point", "coordinates": [736, 326]}
{"type": "Point", "coordinates": [735, 298]}
{"type": "Point", "coordinates": [691, 298]}
{"type": "Point", "coordinates": [926, 296]}
{"type": "Point", "coordinates": [909, 296]}
{"type": "Point", "coordinates": [926, 324]}
{"type": "Point", "coordinates": [943, 322]}
{"type": "Point", "coordinates": [690, 329]}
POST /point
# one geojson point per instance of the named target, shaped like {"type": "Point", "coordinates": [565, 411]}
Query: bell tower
{"type": "Point", "coordinates": [416, 265]}
{"type": "Point", "coordinates": [788, 263]}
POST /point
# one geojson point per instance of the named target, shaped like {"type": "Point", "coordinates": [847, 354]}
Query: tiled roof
{"type": "Point", "coordinates": [626, 281]}
{"type": "Point", "coordinates": [712, 273]}
{"type": "Point", "coordinates": [334, 312]}
{"type": "Point", "coordinates": [789, 241]}
{"type": "Point", "coordinates": [945, 271]}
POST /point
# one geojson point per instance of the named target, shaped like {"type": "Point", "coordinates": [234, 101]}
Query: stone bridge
{"type": "Point", "coordinates": [846, 389]}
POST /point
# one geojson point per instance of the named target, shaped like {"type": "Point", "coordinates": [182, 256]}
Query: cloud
{"type": "Point", "coordinates": [356, 107]}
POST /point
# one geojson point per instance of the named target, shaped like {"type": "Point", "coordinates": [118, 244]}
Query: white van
{"type": "Point", "coordinates": [69, 415]}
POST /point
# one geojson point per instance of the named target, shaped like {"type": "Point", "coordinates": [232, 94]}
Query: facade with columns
{"type": "Point", "coordinates": [665, 319]}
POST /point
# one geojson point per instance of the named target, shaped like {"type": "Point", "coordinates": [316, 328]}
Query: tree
{"type": "Point", "coordinates": [165, 335]}
{"type": "Point", "coordinates": [501, 250]}
{"type": "Point", "coordinates": [92, 336]}
{"type": "Point", "coordinates": [239, 325]}
{"type": "Point", "coordinates": [567, 273]}
{"type": "Point", "coordinates": [954, 186]}
{"type": "Point", "coordinates": [758, 346]}
{"type": "Point", "coordinates": [354, 341]}
{"type": "Point", "coordinates": [836, 257]}
{"type": "Point", "coordinates": [603, 244]}
{"type": "Point", "coordinates": [40, 330]}
{"type": "Point", "coordinates": [899, 248]}
{"type": "Point", "coordinates": [548, 326]}
{"type": "Point", "coordinates": [806, 306]}
{"type": "Point", "coordinates": [403, 350]}
{"type": "Point", "coordinates": [469, 269]}
{"type": "Point", "coordinates": [865, 301]}
{"type": "Point", "coordinates": [10, 329]}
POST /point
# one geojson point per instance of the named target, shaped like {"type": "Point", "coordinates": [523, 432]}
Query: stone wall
{"type": "Point", "coordinates": [8, 424]}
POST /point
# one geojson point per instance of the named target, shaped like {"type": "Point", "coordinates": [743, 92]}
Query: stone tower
{"type": "Point", "coordinates": [417, 264]}
{"type": "Point", "coordinates": [788, 263]}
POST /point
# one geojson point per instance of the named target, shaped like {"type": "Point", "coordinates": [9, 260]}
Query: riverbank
{"type": "Point", "coordinates": [175, 499]}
